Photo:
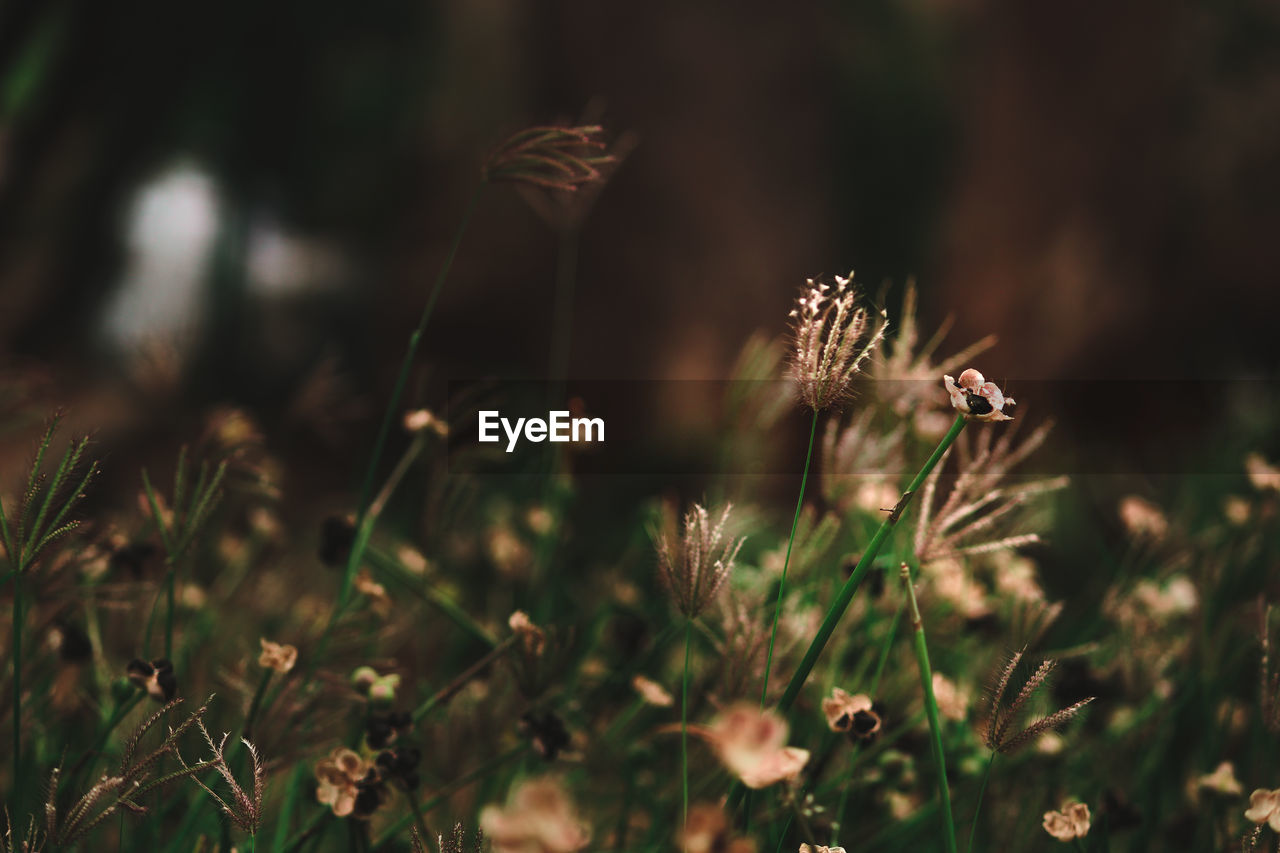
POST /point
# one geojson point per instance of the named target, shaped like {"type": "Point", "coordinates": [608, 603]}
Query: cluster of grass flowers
{"type": "Point", "coordinates": [495, 664]}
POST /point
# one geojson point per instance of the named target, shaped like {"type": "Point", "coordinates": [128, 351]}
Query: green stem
{"type": "Point", "coordinates": [838, 607]}
{"type": "Point", "coordinates": [931, 709]}
{"type": "Point", "coordinates": [168, 616]}
{"type": "Point", "coordinates": [977, 810]}
{"type": "Point", "coordinates": [684, 720]}
{"type": "Point", "coordinates": [18, 616]}
{"type": "Point", "coordinates": [845, 596]}
{"type": "Point", "coordinates": [256, 704]}
{"type": "Point", "coordinates": [782, 583]}
{"type": "Point", "coordinates": [364, 531]}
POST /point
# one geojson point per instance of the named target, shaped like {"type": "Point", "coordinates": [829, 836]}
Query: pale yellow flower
{"type": "Point", "coordinates": [539, 818]}
{"type": "Point", "coordinates": [1070, 823]}
{"type": "Point", "coordinates": [652, 692]}
{"type": "Point", "coordinates": [752, 744]}
{"type": "Point", "coordinates": [1264, 807]}
{"type": "Point", "coordinates": [278, 656]}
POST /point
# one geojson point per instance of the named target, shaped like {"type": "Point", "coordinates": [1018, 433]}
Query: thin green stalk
{"type": "Point", "coordinates": [977, 810]}
{"type": "Point", "coordinates": [684, 719]}
{"type": "Point", "coordinates": [17, 690]}
{"type": "Point", "coordinates": [256, 704]}
{"type": "Point", "coordinates": [782, 583]}
{"type": "Point", "coordinates": [931, 709]}
{"type": "Point", "coordinates": [168, 616]}
{"type": "Point", "coordinates": [841, 603]}
{"type": "Point", "coordinates": [363, 530]}
{"type": "Point", "coordinates": [845, 596]}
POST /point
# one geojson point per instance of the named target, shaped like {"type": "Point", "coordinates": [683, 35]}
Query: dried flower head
{"type": "Point", "coordinates": [1069, 824]}
{"type": "Point", "coordinates": [424, 420]}
{"type": "Point", "coordinates": [976, 398]}
{"type": "Point", "coordinates": [953, 702]}
{"type": "Point", "coordinates": [833, 337]}
{"type": "Point", "coordinates": [156, 678]}
{"type": "Point", "coordinates": [1000, 735]}
{"type": "Point", "coordinates": [696, 567]}
{"type": "Point", "coordinates": [820, 848]}
{"type": "Point", "coordinates": [708, 831]}
{"type": "Point", "coordinates": [853, 715]}
{"type": "Point", "coordinates": [752, 744]}
{"type": "Point", "coordinates": [554, 158]}
{"type": "Point", "coordinates": [278, 656]}
{"type": "Point", "coordinates": [1142, 519]}
{"type": "Point", "coordinates": [340, 777]}
{"type": "Point", "coordinates": [1262, 474]}
{"type": "Point", "coordinates": [652, 692]}
{"type": "Point", "coordinates": [1264, 807]}
{"type": "Point", "coordinates": [532, 638]}
{"type": "Point", "coordinates": [1221, 781]}
{"type": "Point", "coordinates": [539, 818]}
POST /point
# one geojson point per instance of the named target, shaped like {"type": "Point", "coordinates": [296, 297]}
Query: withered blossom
{"type": "Point", "coordinates": [278, 656]}
{"type": "Point", "coordinates": [341, 777]}
{"type": "Point", "coordinates": [953, 702]}
{"type": "Point", "coordinates": [853, 715]}
{"type": "Point", "coordinates": [652, 692]}
{"type": "Point", "coordinates": [1142, 519]}
{"type": "Point", "coordinates": [424, 420]}
{"type": "Point", "coordinates": [156, 678]}
{"type": "Point", "coordinates": [553, 158]}
{"type": "Point", "coordinates": [539, 818]}
{"type": "Point", "coordinates": [752, 743]}
{"type": "Point", "coordinates": [1262, 474]}
{"type": "Point", "coordinates": [976, 398]}
{"type": "Point", "coordinates": [532, 638]}
{"type": "Point", "coordinates": [696, 566]}
{"type": "Point", "coordinates": [708, 831]}
{"type": "Point", "coordinates": [1222, 781]}
{"type": "Point", "coordinates": [1069, 824]}
{"type": "Point", "coordinates": [1264, 807]}
{"type": "Point", "coordinates": [833, 338]}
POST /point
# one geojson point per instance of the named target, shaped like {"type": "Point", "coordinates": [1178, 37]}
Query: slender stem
{"type": "Point", "coordinates": [17, 691]}
{"type": "Point", "coordinates": [782, 583]}
{"type": "Point", "coordinates": [841, 602]}
{"type": "Point", "coordinates": [256, 704]}
{"type": "Point", "coordinates": [168, 616]}
{"type": "Point", "coordinates": [931, 710]}
{"type": "Point", "coordinates": [447, 692]}
{"type": "Point", "coordinates": [977, 810]}
{"type": "Point", "coordinates": [684, 723]}
{"type": "Point", "coordinates": [393, 407]}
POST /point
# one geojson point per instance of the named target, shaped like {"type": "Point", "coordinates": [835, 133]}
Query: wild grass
{"type": "Point", "coordinates": [481, 662]}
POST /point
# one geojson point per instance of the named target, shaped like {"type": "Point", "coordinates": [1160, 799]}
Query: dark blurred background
{"type": "Point", "coordinates": [246, 203]}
